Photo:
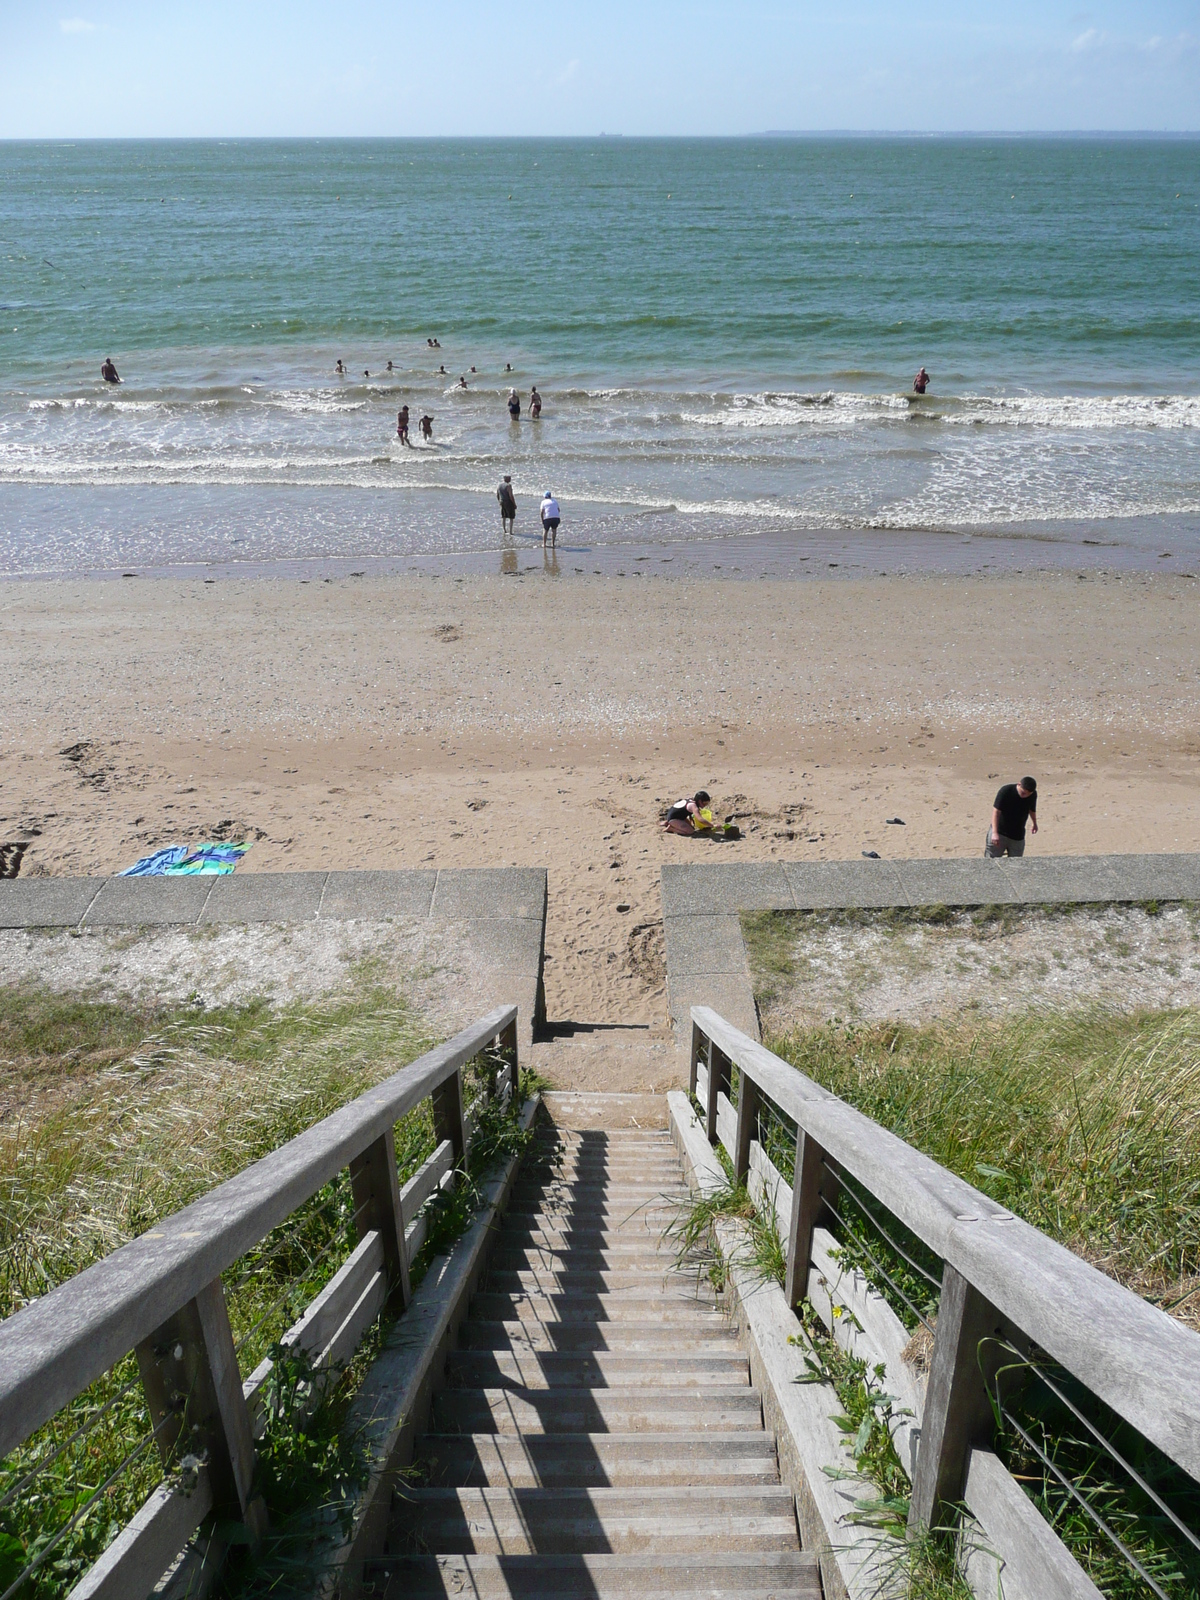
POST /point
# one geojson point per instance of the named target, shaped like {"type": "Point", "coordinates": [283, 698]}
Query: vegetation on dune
{"type": "Point", "coordinates": [116, 1115]}
{"type": "Point", "coordinates": [1087, 1124]}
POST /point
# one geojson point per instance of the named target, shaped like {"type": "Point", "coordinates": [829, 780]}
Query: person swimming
{"type": "Point", "coordinates": [108, 372]}
{"type": "Point", "coordinates": [535, 402]}
{"type": "Point", "coordinates": [921, 382]}
{"type": "Point", "coordinates": [443, 372]}
{"type": "Point", "coordinates": [389, 366]}
{"type": "Point", "coordinates": [514, 405]}
{"type": "Point", "coordinates": [462, 382]}
{"type": "Point", "coordinates": [340, 368]}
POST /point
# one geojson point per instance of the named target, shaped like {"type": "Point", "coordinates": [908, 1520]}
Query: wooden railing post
{"type": "Point", "coordinates": [957, 1412]}
{"type": "Point", "coordinates": [375, 1185]}
{"type": "Point", "coordinates": [193, 1387]}
{"type": "Point", "coordinates": [508, 1045]}
{"type": "Point", "coordinates": [718, 1079]}
{"type": "Point", "coordinates": [809, 1181]}
{"type": "Point", "coordinates": [747, 1123]}
{"type": "Point", "coordinates": [448, 1119]}
{"type": "Point", "coordinates": [699, 1042]}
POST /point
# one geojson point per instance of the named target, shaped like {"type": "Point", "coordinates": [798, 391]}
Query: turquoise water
{"type": "Point", "coordinates": [723, 332]}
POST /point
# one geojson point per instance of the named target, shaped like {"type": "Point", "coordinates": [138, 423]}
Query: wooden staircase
{"type": "Point", "coordinates": [597, 1435]}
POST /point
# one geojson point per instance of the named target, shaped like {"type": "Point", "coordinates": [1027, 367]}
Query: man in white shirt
{"type": "Point", "coordinates": [550, 519]}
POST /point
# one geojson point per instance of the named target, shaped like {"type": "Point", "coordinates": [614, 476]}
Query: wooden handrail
{"type": "Point", "coordinates": [1141, 1362]}
{"type": "Point", "coordinates": [52, 1349]}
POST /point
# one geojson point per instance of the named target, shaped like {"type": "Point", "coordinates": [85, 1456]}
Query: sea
{"type": "Point", "coordinates": [724, 334]}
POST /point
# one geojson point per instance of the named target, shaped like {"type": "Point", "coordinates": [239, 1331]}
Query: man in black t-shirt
{"type": "Point", "coordinates": [1014, 805]}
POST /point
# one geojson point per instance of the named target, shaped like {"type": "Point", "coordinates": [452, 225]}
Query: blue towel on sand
{"type": "Point", "coordinates": [184, 860]}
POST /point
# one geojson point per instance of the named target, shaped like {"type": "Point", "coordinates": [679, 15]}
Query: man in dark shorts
{"type": "Point", "coordinates": [1015, 805]}
{"type": "Point", "coordinates": [402, 426]}
{"type": "Point", "coordinates": [551, 516]}
{"type": "Point", "coordinates": [921, 382]}
{"type": "Point", "coordinates": [508, 504]}
{"type": "Point", "coordinates": [108, 372]}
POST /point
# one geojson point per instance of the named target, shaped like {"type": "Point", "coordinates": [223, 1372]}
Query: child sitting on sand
{"type": "Point", "coordinates": [690, 816]}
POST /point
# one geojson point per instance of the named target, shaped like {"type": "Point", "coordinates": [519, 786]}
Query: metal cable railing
{"type": "Point", "coordinates": [902, 1219]}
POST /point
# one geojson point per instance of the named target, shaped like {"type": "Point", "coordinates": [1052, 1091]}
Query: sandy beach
{"type": "Point", "coordinates": [397, 721]}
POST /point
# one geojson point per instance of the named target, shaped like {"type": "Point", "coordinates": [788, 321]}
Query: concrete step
{"type": "Point", "coordinates": [594, 1241]}
{"type": "Point", "coordinates": [651, 1213]}
{"type": "Point", "coordinates": [555, 1194]}
{"type": "Point", "coordinates": [601, 1170]}
{"type": "Point", "coordinates": [631, 1337]}
{"type": "Point", "coordinates": [548, 1258]}
{"type": "Point", "coordinates": [598, 1460]}
{"type": "Point", "coordinates": [586, 1234]}
{"type": "Point", "coordinates": [682, 1310]}
{"type": "Point", "coordinates": [643, 1410]}
{"type": "Point", "coordinates": [589, 1281]}
{"type": "Point", "coordinates": [576, 1521]}
{"type": "Point", "coordinates": [601, 1369]}
{"type": "Point", "coordinates": [718, 1575]}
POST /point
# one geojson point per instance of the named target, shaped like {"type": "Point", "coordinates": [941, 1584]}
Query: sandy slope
{"type": "Point", "coordinates": [532, 721]}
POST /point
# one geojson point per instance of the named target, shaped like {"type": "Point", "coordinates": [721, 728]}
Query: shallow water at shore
{"type": "Point", "coordinates": [723, 331]}
{"type": "Point", "coordinates": [226, 532]}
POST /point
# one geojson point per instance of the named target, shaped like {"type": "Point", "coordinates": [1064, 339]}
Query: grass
{"type": "Point", "coordinates": [118, 1115]}
{"type": "Point", "coordinates": [1087, 1124]}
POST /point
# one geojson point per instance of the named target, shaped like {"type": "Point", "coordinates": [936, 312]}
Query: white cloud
{"type": "Point", "coordinates": [1088, 40]}
{"type": "Point", "coordinates": [77, 25]}
{"type": "Point", "coordinates": [568, 72]}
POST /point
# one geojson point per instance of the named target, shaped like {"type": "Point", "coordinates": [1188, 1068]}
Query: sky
{"type": "Point", "coordinates": [186, 68]}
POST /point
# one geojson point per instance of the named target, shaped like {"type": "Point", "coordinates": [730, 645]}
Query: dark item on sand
{"type": "Point", "coordinates": [872, 855]}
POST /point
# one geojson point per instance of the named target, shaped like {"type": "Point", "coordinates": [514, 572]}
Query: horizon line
{"type": "Point", "coordinates": [523, 138]}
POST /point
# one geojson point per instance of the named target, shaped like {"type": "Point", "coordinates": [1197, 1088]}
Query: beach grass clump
{"type": "Point", "coordinates": [1085, 1123]}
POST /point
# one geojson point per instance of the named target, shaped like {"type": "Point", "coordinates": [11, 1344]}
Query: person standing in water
{"type": "Point", "coordinates": [427, 427]}
{"type": "Point", "coordinates": [508, 504]}
{"type": "Point", "coordinates": [402, 426]}
{"type": "Point", "coordinates": [514, 406]}
{"type": "Point", "coordinates": [108, 372]}
{"type": "Point", "coordinates": [535, 402]}
{"type": "Point", "coordinates": [921, 382]}
{"type": "Point", "coordinates": [551, 517]}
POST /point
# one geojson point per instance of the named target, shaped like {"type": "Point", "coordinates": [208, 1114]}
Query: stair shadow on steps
{"type": "Point", "coordinates": [597, 1435]}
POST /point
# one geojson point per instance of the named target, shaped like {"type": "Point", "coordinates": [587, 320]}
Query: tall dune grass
{"type": "Point", "coordinates": [1087, 1124]}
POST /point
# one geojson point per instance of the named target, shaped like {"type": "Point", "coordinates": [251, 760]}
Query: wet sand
{"type": "Point", "coordinates": [398, 721]}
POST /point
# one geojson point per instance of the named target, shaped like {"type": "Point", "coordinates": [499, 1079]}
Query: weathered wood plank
{"type": "Point", "coordinates": [425, 1180]}
{"type": "Point", "coordinates": [1136, 1358]}
{"type": "Point", "coordinates": [362, 1314]}
{"type": "Point", "coordinates": [726, 1122]}
{"type": "Point", "coordinates": [52, 1349]}
{"type": "Point", "coordinates": [872, 1331]}
{"type": "Point", "coordinates": [144, 1549]}
{"type": "Point", "coordinates": [769, 1190]}
{"type": "Point", "coordinates": [1036, 1565]}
